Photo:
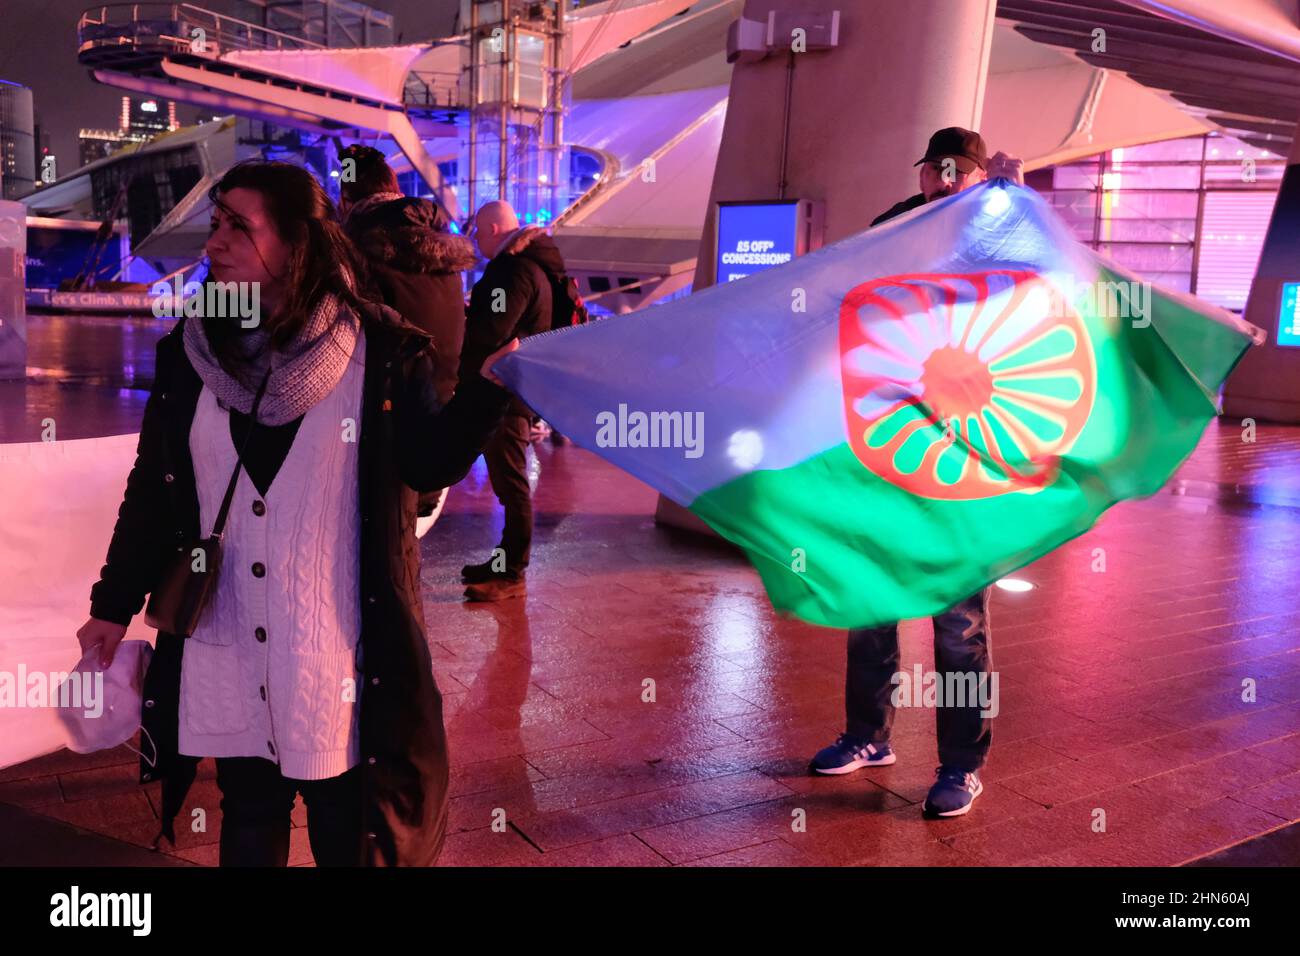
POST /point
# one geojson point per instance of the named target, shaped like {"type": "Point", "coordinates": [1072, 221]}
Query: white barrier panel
{"type": "Point", "coordinates": [13, 303]}
{"type": "Point", "coordinates": [58, 504]}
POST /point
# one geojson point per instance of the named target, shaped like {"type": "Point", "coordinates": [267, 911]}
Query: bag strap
{"type": "Point", "coordinates": [220, 526]}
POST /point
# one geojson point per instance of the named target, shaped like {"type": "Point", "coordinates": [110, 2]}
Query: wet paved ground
{"type": "Point", "coordinates": [1121, 690]}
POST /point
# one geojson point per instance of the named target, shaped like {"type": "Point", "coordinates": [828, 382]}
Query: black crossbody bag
{"type": "Point", "coordinates": [185, 587]}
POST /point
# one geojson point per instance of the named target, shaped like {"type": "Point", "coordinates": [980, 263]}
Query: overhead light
{"type": "Point", "coordinates": [1017, 585]}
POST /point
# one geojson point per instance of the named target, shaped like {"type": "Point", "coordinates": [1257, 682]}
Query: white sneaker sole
{"type": "Point", "coordinates": [963, 810]}
{"type": "Point", "coordinates": [857, 765]}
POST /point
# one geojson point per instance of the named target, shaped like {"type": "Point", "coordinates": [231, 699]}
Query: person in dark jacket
{"type": "Point", "coordinates": [308, 669]}
{"type": "Point", "coordinates": [415, 264]}
{"type": "Point", "coordinates": [414, 259]}
{"type": "Point", "coordinates": [512, 299]}
{"type": "Point", "coordinates": [955, 159]}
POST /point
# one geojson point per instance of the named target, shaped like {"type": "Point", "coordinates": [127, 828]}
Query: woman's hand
{"type": "Point", "coordinates": [105, 634]}
{"type": "Point", "coordinates": [491, 359]}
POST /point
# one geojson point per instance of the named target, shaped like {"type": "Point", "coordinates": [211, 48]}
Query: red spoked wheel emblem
{"type": "Point", "coordinates": [967, 385]}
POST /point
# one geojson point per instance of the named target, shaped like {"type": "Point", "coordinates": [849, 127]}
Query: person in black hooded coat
{"type": "Point", "coordinates": [415, 260]}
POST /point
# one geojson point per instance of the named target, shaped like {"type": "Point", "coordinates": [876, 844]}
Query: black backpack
{"type": "Point", "coordinates": [567, 307]}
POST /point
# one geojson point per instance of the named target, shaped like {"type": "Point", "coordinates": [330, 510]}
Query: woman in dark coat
{"type": "Point", "coordinates": [368, 754]}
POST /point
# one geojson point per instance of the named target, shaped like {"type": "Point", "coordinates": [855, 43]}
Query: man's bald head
{"type": "Point", "coordinates": [495, 220]}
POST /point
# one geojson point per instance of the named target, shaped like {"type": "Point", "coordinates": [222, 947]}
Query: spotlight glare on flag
{"type": "Point", "coordinates": [997, 202]}
{"type": "Point", "coordinates": [1017, 585]}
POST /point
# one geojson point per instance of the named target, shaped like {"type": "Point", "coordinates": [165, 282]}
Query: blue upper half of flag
{"type": "Point", "coordinates": [755, 363]}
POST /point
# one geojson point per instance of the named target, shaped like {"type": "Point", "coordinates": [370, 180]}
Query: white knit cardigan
{"type": "Point", "coordinates": [271, 669]}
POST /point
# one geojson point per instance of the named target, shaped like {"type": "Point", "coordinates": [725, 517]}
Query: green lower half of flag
{"type": "Point", "coordinates": [841, 544]}
{"type": "Point", "coordinates": [838, 546]}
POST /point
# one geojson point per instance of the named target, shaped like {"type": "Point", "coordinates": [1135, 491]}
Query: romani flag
{"type": "Point", "coordinates": [893, 422]}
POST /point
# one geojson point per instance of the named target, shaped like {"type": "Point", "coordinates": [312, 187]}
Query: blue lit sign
{"type": "Point", "coordinates": [1288, 320]}
{"type": "Point", "coordinates": [756, 236]}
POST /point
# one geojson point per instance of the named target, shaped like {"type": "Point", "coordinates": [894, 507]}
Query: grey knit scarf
{"type": "Point", "coordinates": [302, 373]}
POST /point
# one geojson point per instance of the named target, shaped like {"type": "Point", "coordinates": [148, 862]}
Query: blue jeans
{"type": "Point", "coordinates": [961, 645]}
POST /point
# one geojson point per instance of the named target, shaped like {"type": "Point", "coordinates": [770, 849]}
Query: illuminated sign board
{"type": "Point", "coordinates": [1288, 319]}
{"type": "Point", "coordinates": [753, 236]}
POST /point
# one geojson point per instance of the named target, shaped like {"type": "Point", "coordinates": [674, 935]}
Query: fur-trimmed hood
{"type": "Point", "coordinates": [410, 235]}
{"type": "Point", "coordinates": [532, 242]}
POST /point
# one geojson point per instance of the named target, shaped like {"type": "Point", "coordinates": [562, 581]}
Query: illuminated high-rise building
{"type": "Point", "coordinates": [17, 142]}
{"type": "Point", "coordinates": [142, 119]}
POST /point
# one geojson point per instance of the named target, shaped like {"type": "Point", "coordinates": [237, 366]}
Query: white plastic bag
{"type": "Point", "coordinates": [106, 712]}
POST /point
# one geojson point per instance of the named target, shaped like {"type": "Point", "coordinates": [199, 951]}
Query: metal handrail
{"type": "Point", "coordinates": [608, 173]}
{"type": "Point", "coordinates": [433, 82]}
{"type": "Point", "coordinates": [225, 31]}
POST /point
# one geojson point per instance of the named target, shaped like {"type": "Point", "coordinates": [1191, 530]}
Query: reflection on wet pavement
{"type": "Point", "coordinates": [91, 374]}
{"type": "Point", "coordinates": [1121, 688]}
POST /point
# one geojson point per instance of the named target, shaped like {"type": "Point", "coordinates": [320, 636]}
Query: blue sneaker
{"type": "Point", "coordinates": [847, 754]}
{"type": "Point", "coordinates": [953, 792]}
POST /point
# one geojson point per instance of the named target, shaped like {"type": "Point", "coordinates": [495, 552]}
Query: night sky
{"type": "Point", "coordinates": [38, 46]}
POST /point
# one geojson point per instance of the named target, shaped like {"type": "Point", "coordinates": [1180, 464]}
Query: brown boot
{"type": "Point", "coordinates": [499, 588]}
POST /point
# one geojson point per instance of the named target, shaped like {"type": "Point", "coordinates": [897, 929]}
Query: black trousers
{"type": "Point", "coordinates": [961, 646]}
{"type": "Point", "coordinates": [256, 801]}
{"type": "Point", "coordinates": [507, 468]}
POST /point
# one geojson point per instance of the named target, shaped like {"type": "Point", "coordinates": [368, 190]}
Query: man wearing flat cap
{"type": "Point", "coordinates": [955, 159]}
